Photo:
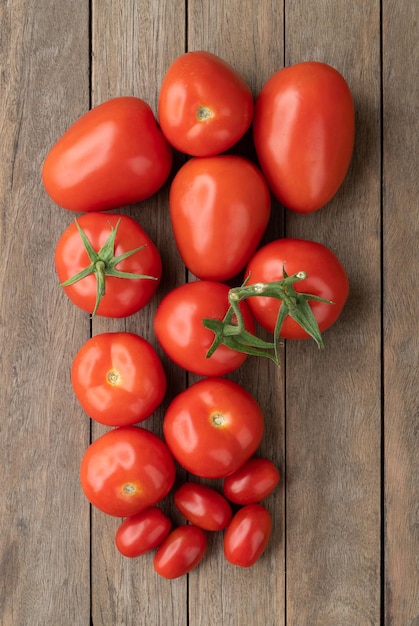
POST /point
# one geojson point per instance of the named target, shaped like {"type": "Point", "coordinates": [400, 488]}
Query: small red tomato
{"type": "Point", "coordinates": [203, 506]}
{"type": "Point", "coordinates": [180, 552]}
{"type": "Point", "coordinates": [252, 482]}
{"type": "Point", "coordinates": [247, 535]}
{"type": "Point", "coordinates": [204, 106]}
{"type": "Point", "coordinates": [142, 532]}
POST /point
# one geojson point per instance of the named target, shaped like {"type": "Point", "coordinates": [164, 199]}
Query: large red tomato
{"type": "Point", "coordinates": [213, 427]}
{"type": "Point", "coordinates": [219, 208]}
{"type": "Point", "coordinates": [107, 264]}
{"type": "Point", "coordinates": [304, 129]}
{"type": "Point", "coordinates": [247, 535]}
{"type": "Point", "coordinates": [205, 106]}
{"type": "Point", "coordinates": [118, 378]}
{"type": "Point", "coordinates": [112, 156]}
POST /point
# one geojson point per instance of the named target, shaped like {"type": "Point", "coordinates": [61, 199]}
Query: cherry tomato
{"type": "Point", "coordinates": [126, 470]}
{"type": "Point", "coordinates": [204, 106]}
{"type": "Point", "coordinates": [179, 328]}
{"type": "Point", "coordinates": [213, 427]}
{"type": "Point", "coordinates": [142, 532]}
{"type": "Point", "coordinates": [180, 552]}
{"type": "Point", "coordinates": [203, 506]}
{"type": "Point", "coordinates": [118, 378]}
{"type": "Point", "coordinates": [112, 156]}
{"type": "Point", "coordinates": [120, 248]}
{"type": "Point", "coordinates": [327, 279]}
{"type": "Point", "coordinates": [252, 482]}
{"type": "Point", "coordinates": [219, 208]}
{"type": "Point", "coordinates": [304, 129]}
{"type": "Point", "coordinates": [247, 535]}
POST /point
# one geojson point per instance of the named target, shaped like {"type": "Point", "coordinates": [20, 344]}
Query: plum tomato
{"type": "Point", "coordinates": [142, 532]}
{"type": "Point", "coordinates": [203, 506]}
{"type": "Point", "coordinates": [252, 482]}
{"type": "Point", "coordinates": [247, 535]}
{"type": "Point", "coordinates": [181, 551]}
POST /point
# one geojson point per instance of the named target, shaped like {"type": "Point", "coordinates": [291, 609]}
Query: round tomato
{"type": "Point", "coordinates": [112, 156]}
{"type": "Point", "coordinates": [127, 470]}
{"type": "Point", "coordinates": [213, 427]}
{"type": "Point", "coordinates": [107, 264]}
{"type": "Point", "coordinates": [118, 378]}
{"type": "Point", "coordinates": [247, 535]}
{"type": "Point", "coordinates": [142, 532]}
{"type": "Point", "coordinates": [304, 130]}
{"type": "Point", "coordinates": [203, 506]}
{"type": "Point", "coordinates": [326, 278]}
{"type": "Point", "coordinates": [204, 106]}
{"type": "Point", "coordinates": [252, 482]}
{"type": "Point", "coordinates": [219, 208]}
{"type": "Point", "coordinates": [179, 327]}
{"type": "Point", "coordinates": [180, 552]}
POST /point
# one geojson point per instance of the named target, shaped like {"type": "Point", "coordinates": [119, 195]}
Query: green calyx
{"type": "Point", "coordinates": [103, 263]}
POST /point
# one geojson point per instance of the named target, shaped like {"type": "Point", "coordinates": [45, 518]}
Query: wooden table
{"type": "Point", "coordinates": [342, 424]}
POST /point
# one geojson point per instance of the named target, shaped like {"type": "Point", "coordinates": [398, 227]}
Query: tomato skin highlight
{"type": "Point", "coordinates": [304, 133]}
{"type": "Point", "coordinates": [252, 482]}
{"type": "Point", "coordinates": [204, 105]}
{"type": "Point", "coordinates": [247, 535]}
{"type": "Point", "coordinates": [112, 156]}
{"type": "Point", "coordinates": [219, 209]}
{"type": "Point", "coordinates": [181, 551]}
{"type": "Point", "coordinates": [142, 532]}
{"type": "Point", "coordinates": [203, 506]}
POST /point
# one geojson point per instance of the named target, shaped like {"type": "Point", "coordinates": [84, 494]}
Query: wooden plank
{"type": "Point", "coordinates": [401, 347]}
{"type": "Point", "coordinates": [44, 543]}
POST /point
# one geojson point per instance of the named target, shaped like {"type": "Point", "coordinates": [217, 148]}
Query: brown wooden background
{"type": "Point", "coordinates": [342, 424]}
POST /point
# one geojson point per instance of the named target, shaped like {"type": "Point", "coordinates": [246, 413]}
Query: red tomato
{"type": "Point", "coordinates": [142, 532]}
{"type": "Point", "coordinates": [213, 427]}
{"type": "Point", "coordinates": [304, 130]}
{"type": "Point", "coordinates": [180, 331]}
{"type": "Point", "coordinates": [326, 278]}
{"type": "Point", "coordinates": [112, 156]}
{"type": "Point", "coordinates": [203, 506]}
{"type": "Point", "coordinates": [252, 482]}
{"type": "Point", "coordinates": [180, 552]}
{"type": "Point", "coordinates": [247, 535]}
{"type": "Point", "coordinates": [127, 470]}
{"type": "Point", "coordinates": [118, 378]}
{"type": "Point", "coordinates": [108, 281]}
{"type": "Point", "coordinates": [219, 207]}
{"type": "Point", "coordinates": [204, 106]}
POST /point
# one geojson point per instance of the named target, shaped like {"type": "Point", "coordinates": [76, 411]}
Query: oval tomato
{"type": "Point", "coordinates": [327, 279]}
{"type": "Point", "coordinates": [203, 506]}
{"type": "Point", "coordinates": [213, 427]}
{"type": "Point", "coordinates": [252, 482]}
{"type": "Point", "coordinates": [118, 378]}
{"type": "Point", "coordinates": [142, 532]}
{"type": "Point", "coordinates": [116, 272]}
{"type": "Point", "coordinates": [204, 106]}
{"type": "Point", "coordinates": [180, 552]}
{"type": "Point", "coordinates": [219, 208]}
{"type": "Point", "coordinates": [126, 470]}
{"type": "Point", "coordinates": [304, 130]}
{"type": "Point", "coordinates": [179, 328]}
{"type": "Point", "coordinates": [247, 535]}
{"type": "Point", "coordinates": [112, 156]}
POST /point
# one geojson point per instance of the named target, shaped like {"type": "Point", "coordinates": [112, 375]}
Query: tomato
{"type": "Point", "coordinates": [327, 279]}
{"type": "Point", "coordinates": [112, 156]}
{"type": "Point", "coordinates": [180, 552]}
{"type": "Point", "coordinates": [219, 208]}
{"type": "Point", "coordinates": [205, 106]}
{"type": "Point", "coordinates": [126, 470]}
{"type": "Point", "coordinates": [118, 378]}
{"type": "Point", "coordinates": [247, 535]}
{"type": "Point", "coordinates": [213, 427]}
{"type": "Point", "coordinates": [179, 328]}
{"type": "Point", "coordinates": [304, 130]}
{"type": "Point", "coordinates": [252, 482]}
{"type": "Point", "coordinates": [203, 506]}
{"type": "Point", "coordinates": [120, 273]}
{"type": "Point", "coordinates": [142, 532]}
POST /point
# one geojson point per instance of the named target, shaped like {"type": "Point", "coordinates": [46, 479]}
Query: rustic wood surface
{"type": "Point", "coordinates": [341, 424]}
